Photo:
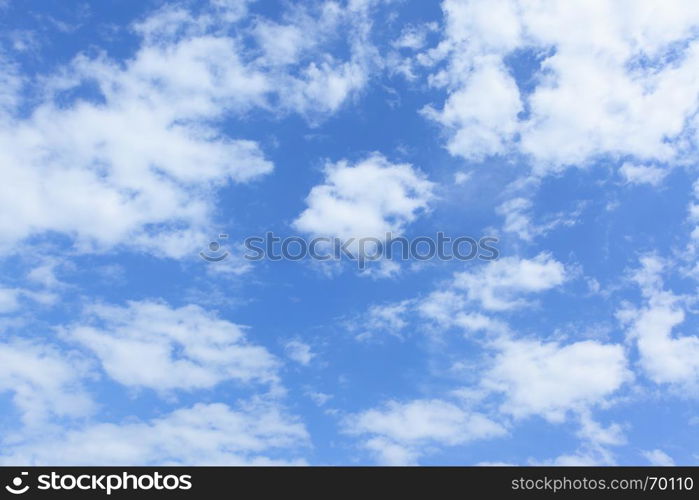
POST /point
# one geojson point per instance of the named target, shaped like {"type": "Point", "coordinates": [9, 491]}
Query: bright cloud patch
{"type": "Point", "coordinates": [205, 434]}
{"type": "Point", "coordinates": [548, 379]}
{"type": "Point", "coordinates": [500, 285]}
{"type": "Point", "coordinates": [367, 199]}
{"type": "Point", "coordinates": [604, 79]}
{"type": "Point", "coordinates": [139, 164]}
{"type": "Point", "coordinates": [43, 381]}
{"type": "Point", "coordinates": [149, 344]}
{"type": "Point", "coordinates": [398, 432]}
{"type": "Point", "coordinates": [642, 174]}
{"type": "Point", "coordinates": [665, 358]}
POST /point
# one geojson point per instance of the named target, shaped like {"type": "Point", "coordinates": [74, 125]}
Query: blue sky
{"type": "Point", "coordinates": [133, 133]}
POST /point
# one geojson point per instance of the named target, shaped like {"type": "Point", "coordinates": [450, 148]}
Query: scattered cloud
{"type": "Point", "coordinates": [204, 434]}
{"type": "Point", "coordinates": [642, 174]}
{"type": "Point", "coordinates": [152, 345]}
{"type": "Point", "coordinates": [299, 352]}
{"type": "Point", "coordinates": [548, 379]}
{"type": "Point", "coordinates": [44, 381]}
{"type": "Point", "coordinates": [629, 88]}
{"type": "Point", "coordinates": [367, 199]}
{"type": "Point", "coordinates": [398, 433]}
{"type": "Point", "coordinates": [665, 358]}
{"type": "Point", "coordinates": [658, 458]}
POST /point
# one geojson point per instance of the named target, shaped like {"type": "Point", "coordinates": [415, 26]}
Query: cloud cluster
{"type": "Point", "coordinates": [135, 160]}
{"type": "Point", "coordinates": [602, 79]}
{"type": "Point", "coordinates": [512, 376]}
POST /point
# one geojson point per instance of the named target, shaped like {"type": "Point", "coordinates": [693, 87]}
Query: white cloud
{"type": "Point", "coordinates": [44, 382]}
{"type": "Point", "coordinates": [642, 174]}
{"type": "Point", "coordinates": [299, 352]}
{"type": "Point", "coordinates": [607, 78]}
{"type": "Point", "coordinates": [664, 357]}
{"type": "Point", "coordinates": [139, 165]}
{"type": "Point", "coordinates": [398, 433]}
{"type": "Point", "coordinates": [380, 319]}
{"type": "Point", "coordinates": [499, 285]}
{"type": "Point", "coordinates": [693, 218]}
{"type": "Point", "coordinates": [414, 37]}
{"type": "Point", "coordinates": [150, 344]}
{"type": "Point", "coordinates": [388, 316]}
{"type": "Point", "coordinates": [483, 112]}
{"type": "Point", "coordinates": [517, 218]}
{"type": "Point", "coordinates": [462, 177]}
{"type": "Point", "coordinates": [105, 173]}
{"type": "Point", "coordinates": [658, 457]}
{"type": "Point", "coordinates": [367, 199]}
{"type": "Point", "coordinates": [319, 398]}
{"type": "Point", "coordinates": [9, 299]}
{"type": "Point", "coordinates": [581, 458]}
{"type": "Point", "coordinates": [205, 434]}
{"type": "Point", "coordinates": [549, 379]}
{"type": "Point", "coordinates": [594, 433]}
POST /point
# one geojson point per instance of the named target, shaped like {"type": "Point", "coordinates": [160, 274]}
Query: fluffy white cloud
{"type": "Point", "coordinates": [497, 286]}
{"type": "Point", "coordinates": [205, 434]}
{"type": "Point", "coordinates": [398, 433]}
{"type": "Point", "coordinates": [138, 169]}
{"type": "Point", "coordinates": [548, 379]}
{"type": "Point", "coordinates": [367, 199]}
{"type": "Point", "coordinates": [594, 433]}
{"type": "Point", "coordinates": [44, 382]}
{"type": "Point", "coordinates": [483, 112]}
{"type": "Point", "coordinates": [150, 344]}
{"type": "Point", "coordinates": [138, 164]}
{"type": "Point", "coordinates": [606, 79]}
{"type": "Point", "coordinates": [664, 357]}
{"type": "Point", "coordinates": [451, 309]}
